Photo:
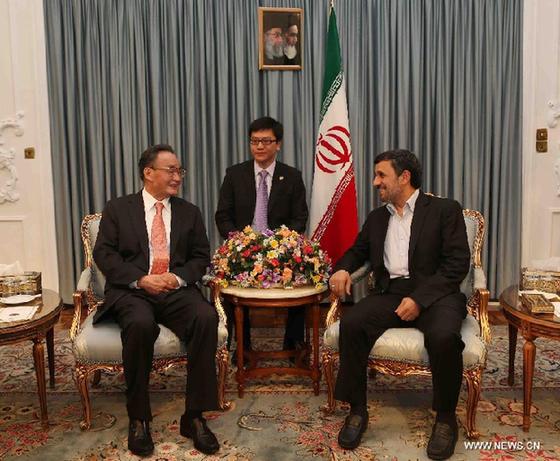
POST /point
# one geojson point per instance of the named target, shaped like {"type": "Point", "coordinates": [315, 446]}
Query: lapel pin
{"type": "Point", "coordinates": [281, 178]}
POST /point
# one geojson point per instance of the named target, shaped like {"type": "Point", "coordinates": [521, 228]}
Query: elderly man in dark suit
{"type": "Point", "coordinates": [418, 249]}
{"type": "Point", "coordinates": [153, 249]}
{"type": "Point", "coordinates": [264, 193]}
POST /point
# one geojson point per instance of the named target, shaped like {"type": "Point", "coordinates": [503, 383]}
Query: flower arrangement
{"type": "Point", "coordinates": [281, 257]}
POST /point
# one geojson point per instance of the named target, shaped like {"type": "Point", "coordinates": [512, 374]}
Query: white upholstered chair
{"type": "Point", "coordinates": [401, 352]}
{"type": "Point", "coordinates": [98, 347]}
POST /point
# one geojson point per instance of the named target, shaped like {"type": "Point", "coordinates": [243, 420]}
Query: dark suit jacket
{"type": "Point", "coordinates": [122, 253]}
{"type": "Point", "coordinates": [438, 255]}
{"type": "Point", "coordinates": [238, 195]}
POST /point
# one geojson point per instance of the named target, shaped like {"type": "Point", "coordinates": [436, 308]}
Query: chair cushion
{"type": "Point", "coordinates": [101, 343]}
{"type": "Point", "coordinates": [407, 344]}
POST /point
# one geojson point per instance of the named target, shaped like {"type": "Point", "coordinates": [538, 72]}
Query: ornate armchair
{"type": "Point", "coordinates": [401, 352]}
{"type": "Point", "coordinates": [98, 347]}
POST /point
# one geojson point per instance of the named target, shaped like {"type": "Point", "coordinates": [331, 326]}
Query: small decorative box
{"type": "Point", "coordinates": [548, 281]}
{"type": "Point", "coordinates": [29, 283]}
{"type": "Point", "coordinates": [537, 304]}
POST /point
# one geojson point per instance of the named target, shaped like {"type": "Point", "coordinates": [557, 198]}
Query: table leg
{"type": "Point", "coordinates": [316, 374]}
{"type": "Point", "coordinates": [528, 368]}
{"type": "Point", "coordinates": [39, 360]}
{"type": "Point", "coordinates": [50, 354]}
{"type": "Point", "coordinates": [240, 375]}
{"type": "Point", "coordinates": [512, 345]}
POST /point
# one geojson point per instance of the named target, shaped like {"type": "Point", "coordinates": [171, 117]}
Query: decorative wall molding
{"type": "Point", "coordinates": [12, 218]}
{"type": "Point", "coordinates": [8, 192]}
{"type": "Point", "coordinates": [554, 244]}
{"type": "Point", "coordinates": [557, 174]}
{"type": "Point", "coordinates": [553, 113]}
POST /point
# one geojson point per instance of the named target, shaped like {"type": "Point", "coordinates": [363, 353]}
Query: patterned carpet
{"type": "Point", "coordinates": [278, 419]}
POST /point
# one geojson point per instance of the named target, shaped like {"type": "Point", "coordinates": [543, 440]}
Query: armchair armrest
{"type": "Point", "coordinates": [477, 305]}
{"type": "Point", "coordinates": [479, 278]}
{"type": "Point", "coordinates": [361, 272]}
{"type": "Point", "coordinates": [85, 280]}
{"type": "Point", "coordinates": [334, 311]}
{"type": "Point", "coordinates": [215, 289]}
{"type": "Point", "coordinates": [78, 297]}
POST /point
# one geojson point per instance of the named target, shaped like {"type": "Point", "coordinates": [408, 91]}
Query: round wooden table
{"type": "Point", "coordinates": [531, 327]}
{"type": "Point", "coordinates": [279, 298]}
{"type": "Point", "coordinates": [37, 329]}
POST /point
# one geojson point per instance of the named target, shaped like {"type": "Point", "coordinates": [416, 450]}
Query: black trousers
{"type": "Point", "coordinates": [295, 326]}
{"type": "Point", "coordinates": [193, 320]}
{"type": "Point", "coordinates": [362, 324]}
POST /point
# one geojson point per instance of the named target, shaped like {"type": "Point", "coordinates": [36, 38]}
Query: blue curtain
{"type": "Point", "coordinates": [440, 77]}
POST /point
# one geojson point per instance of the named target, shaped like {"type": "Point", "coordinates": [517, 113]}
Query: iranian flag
{"type": "Point", "coordinates": [334, 215]}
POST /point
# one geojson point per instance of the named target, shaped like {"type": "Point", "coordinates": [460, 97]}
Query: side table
{"type": "Point", "coordinates": [531, 327]}
{"type": "Point", "coordinates": [278, 298]}
{"type": "Point", "coordinates": [37, 329]}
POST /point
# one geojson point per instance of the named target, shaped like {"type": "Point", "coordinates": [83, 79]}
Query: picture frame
{"type": "Point", "coordinates": [280, 38]}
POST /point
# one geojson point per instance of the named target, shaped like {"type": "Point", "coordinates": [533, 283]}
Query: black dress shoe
{"type": "Point", "coordinates": [350, 435]}
{"type": "Point", "coordinates": [442, 441]}
{"type": "Point", "coordinates": [203, 438]}
{"type": "Point", "coordinates": [139, 438]}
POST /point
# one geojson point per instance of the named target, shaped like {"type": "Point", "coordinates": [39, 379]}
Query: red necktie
{"type": "Point", "coordinates": [160, 263]}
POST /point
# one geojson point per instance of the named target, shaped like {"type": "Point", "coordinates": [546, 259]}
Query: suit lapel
{"type": "Point", "coordinates": [138, 217]}
{"type": "Point", "coordinates": [249, 179]}
{"type": "Point", "coordinates": [420, 212]}
{"type": "Point", "coordinates": [175, 227]}
{"type": "Point", "coordinates": [276, 185]}
{"type": "Point", "coordinates": [380, 232]}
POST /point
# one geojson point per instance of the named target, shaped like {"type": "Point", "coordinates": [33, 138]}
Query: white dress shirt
{"type": "Point", "coordinates": [149, 215]}
{"type": "Point", "coordinates": [397, 240]}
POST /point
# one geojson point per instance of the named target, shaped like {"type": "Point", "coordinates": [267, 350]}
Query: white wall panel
{"type": "Point", "coordinates": [541, 85]}
{"type": "Point", "coordinates": [27, 227]}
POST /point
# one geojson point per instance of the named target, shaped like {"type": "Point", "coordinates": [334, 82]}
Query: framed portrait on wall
{"type": "Point", "coordinates": [280, 38]}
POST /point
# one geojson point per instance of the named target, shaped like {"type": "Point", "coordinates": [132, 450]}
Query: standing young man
{"type": "Point", "coordinates": [266, 194]}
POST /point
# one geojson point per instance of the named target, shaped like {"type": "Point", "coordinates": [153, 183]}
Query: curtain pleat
{"type": "Point", "coordinates": [440, 77]}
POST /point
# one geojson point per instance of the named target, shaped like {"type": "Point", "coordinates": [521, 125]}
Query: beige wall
{"type": "Point", "coordinates": [27, 230]}
{"type": "Point", "coordinates": [541, 86]}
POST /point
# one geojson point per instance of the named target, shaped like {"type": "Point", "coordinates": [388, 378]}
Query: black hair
{"type": "Point", "coordinates": [149, 156]}
{"type": "Point", "coordinates": [402, 159]}
{"type": "Point", "coordinates": [267, 123]}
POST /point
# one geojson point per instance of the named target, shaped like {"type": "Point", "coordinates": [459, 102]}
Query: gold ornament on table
{"type": "Point", "coordinates": [536, 304]}
{"type": "Point", "coordinates": [534, 279]}
{"type": "Point", "coordinates": [28, 283]}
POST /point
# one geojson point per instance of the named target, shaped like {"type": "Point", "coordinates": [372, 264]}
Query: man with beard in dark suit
{"type": "Point", "coordinates": [284, 194]}
{"type": "Point", "coordinates": [418, 249]}
{"type": "Point", "coordinates": [153, 249]}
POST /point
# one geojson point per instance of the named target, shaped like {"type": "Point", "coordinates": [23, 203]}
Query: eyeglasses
{"type": "Point", "coordinates": [264, 141]}
{"type": "Point", "coordinates": [170, 170]}
{"type": "Point", "coordinates": [274, 34]}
